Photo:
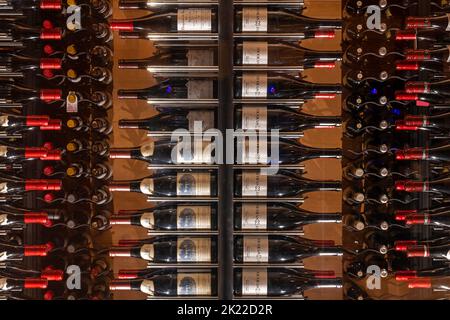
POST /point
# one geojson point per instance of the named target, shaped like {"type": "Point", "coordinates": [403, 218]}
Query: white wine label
{"type": "Point", "coordinates": [254, 282]}
{"type": "Point", "coordinates": [3, 219]}
{"type": "Point", "coordinates": [195, 152]}
{"type": "Point", "coordinates": [254, 216]}
{"type": "Point", "coordinates": [193, 184]}
{"type": "Point", "coordinates": [254, 19]}
{"type": "Point", "coordinates": [4, 121]}
{"type": "Point", "coordinates": [194, 284]}
{"type": "Point", "coordinates": [254, 184]}
{"type": "Point", "coordinates": [3, 256]}
{"type": "Point", "coordinates": [3, 283]}
{"type": "Point", "coordinates": [3, 151]}
{"type": "Point", "coordinates": [194, 250]}
{"type": "Point", "coordinates": [3, 187]}
{"type": "Point", "coordinates": [193, 217]}
{"type": "Point", "coordinates": [148, 220]}
{"type": "Point", "coordinates": [255, 52]}
{"type": "Point", "coordinates": [194, 20]}
{"type": "Point", "coordinates": [254, 150]}
{"type": "Point", "coordinates": [200, 57]}
{"type": "Point", "coordinates": [147, 252]}
{"type": "Point", "coordinates": [448, 48]}
{"type": "Point", "coordinates": [254, 118]}
{"type": "Point", "coordinates": [200, 89]}
{"type": "Point", "coordinates": [72, 102]}
{"type": "Point", "coordinates": [146, 186]}
{"type": "Point", "coordinates": [256, 249]}
{"type": "Point", "coordinates": [205, 117]}
{"type": "Point", "coordinates": [448, 23]}
{"type": "Point", "coordinates": [254, 85]}
{"type": "Point", "coordinates": [148, 149]}
{"type": "Point", "coordinates": [148, 287]}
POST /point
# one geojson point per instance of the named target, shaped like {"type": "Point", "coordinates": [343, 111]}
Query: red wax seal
{"type": "Point", "coordinates": [49, 197]}
{"type": "Point", "coordinates": [47, 24]}
{"type": "Point", "coordinates": [48, 49]}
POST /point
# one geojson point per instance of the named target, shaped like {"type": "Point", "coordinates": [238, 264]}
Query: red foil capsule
{"type": "Point", "coordinates": [119, 285]}
{"type": "Point", "coordinates": [51, 34]}
{"type": "Point", "coordinates": [412, 186]}
{"type": "Point", "coordinates": [417, 55]}
{"type": "Point", "coordinates": [50, 63]}
{"type": "Point", "coordinates": [402, 245]}
{"type": "Point", "coordinates": [128, 274]}
{"type": "Point", "coordinates": [417, 23]}
{"type": "Point", "coordinates": [52, 275]}
{"type": "Point", "coordinates": [36, 121]}
{"type": "Point", "coordinates": [122, 26]}
{"type": "Point", "coordinates": [405, 275]}
{"type": "Point", "coordinates": [33, 283]}
{"type": "Point", "coordinates": [53, 155]}
{"type": "Point", "coordinates": [407, 65]}
{"type": "Point", "coordinates": [53, 124]}
{"type": "Point", "coordinates": [417, 87]}
{"type": "Point", "coordinates": [330, 34]}
{"type": "Point", "coordinates": [418, 251]}
{"type": "Point", "coordinates": [35, 250]}
{"type": "Point", "coordinates": [412, 154]}
{"type": "Point", "coordinates": [420, 121]}
{"type": "Point", "coordinates": [405, 96]}
{"type": "Point", "coordinates": [420, 103]}
{"type": "Point", "coordinates": [50, 94]}
{"type": "Point", "coordinates": [42, 185]}
{"type": "Point", "coordinates": [324, 96]}
{"type": "Point", "coordinates": [420, 219]}
{"type": "Point", "coordinates": [405, 35]}
{"type": "Point", "coordinates": [35, 153]}
{"type": "Point", "coordinates": [35, 217]}
{"type": "Point", "coordinates": [420, 283]}
{"type": "Point", "coordinates": [50, 5]}
{"type": "Point", "coordinates": [401, 215]}
{"type": "Point", "coordinates": [324, 65]}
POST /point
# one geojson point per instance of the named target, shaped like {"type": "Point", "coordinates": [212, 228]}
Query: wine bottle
{"type": "Point", "coordinates": [16, 187]}
{"type": "Point", "coordinates": [173, 88]}
{"type": "Point", "coordinates": [170, 217]}
{"type": "Point", "coordinates": [171, 185]}
{"type": "Point", "coordinates": [176, 249]}
{"type": "Point", "coordinates": [10, 219]}
{"type": "Point", "coordinates": [262, 85]}
{"type": "Point", "coordinates": [20, 122]}
{"type": "Point", "coordinates": [178, 283]}
{"type": "Point", "coordinates": [280, 249]}
{"type": "Point", "coordinates": [283, 184]}
{"type": "Point", "coordinates": [281, 282]}
{"type": "Point", "coordinates": [15, 65]}
{"type": "Point", "coordinates": [278, 216]}
{"type": "Point", "coordinates": [20, 154]}
{"type": "Point", "coordinates": [11, 284]}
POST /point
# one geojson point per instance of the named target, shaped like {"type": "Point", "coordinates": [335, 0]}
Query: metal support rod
{"type": "Point", "coordinates": [225, 121]}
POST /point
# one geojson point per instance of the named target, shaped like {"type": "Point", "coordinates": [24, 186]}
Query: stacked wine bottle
{"type": "Point", "coordinates": [182, 243]}
{"type": "Point", "coordinates": [55, 84]}
{"type": "Point", "coordinates": [396, 137]}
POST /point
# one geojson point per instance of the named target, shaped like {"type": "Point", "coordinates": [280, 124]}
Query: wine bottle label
{"type": "Point", "coordinates": [194, 284]}
{"type": "Point", "coordinates": [254, 85]}
{"type": "Point", "coordinates": [448, 23]}
{"type": "Point", "coordinates": [254, 282]}
{"type": "Point", "coordinates": [4, 121]}
{"type": "Point", "coordinates": [148, 287]}
{"type": "Point", "coordinates": [448, 48]}
{"type": "Point", "coordinates": [254, 151]}
{"type": "Point", "coordinates": [447, 256]}
{"type": "Point", "coordinates": [3, 187]}
{"type": "Point", "coordinates": [200, 89]}
{"type": "Point", "coordinates": [72, 102]}
{"type": "Point", "coordinates": [194, 184]}
{"type": "Point", "coordinates": [3, 283]}
{"type": "Point", "coordinates": [147, 252]}
{"type": "Point", "coordinates": [193, 217]}
{"type": "Point", "coordinates": [3, 151]}
{"type": "Point", "coordinates": [194, 250]}
{"type": "Point", "coordinates": [3, 219]}
{"type": "Point", "coordinates": [146, 186]}
{"type": "Point", "coordinates": [254, 184]}
{"type": "Point", "coordinates": [147, 149]}
{"type": "Point", "coordinates": [255, 52]}
{"type": "Point", "coordinates": [200, 57]}
{"type": "Point", "coordinates": [3, 256]}
{"type": "Point", "coordinates": [199, 152]}
{"type": "Point", "coordinates": [148, 220]}
{"type": "Point", "coordinates": [194, 20]}
{"type": "Point", "coordinates": [254, 19]}
{"type": "Point", "coordinates": [205, 117]}
{"type": "Point", "coordinates": [254, 118]}
{"type": "Point", "coordinates": [256, 249]}
{"type": "Point", "coordinates": [254, 216]}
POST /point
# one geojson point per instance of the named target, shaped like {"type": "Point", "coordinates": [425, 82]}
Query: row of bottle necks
{"type": "Point", "coordinates": [386, 182]}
